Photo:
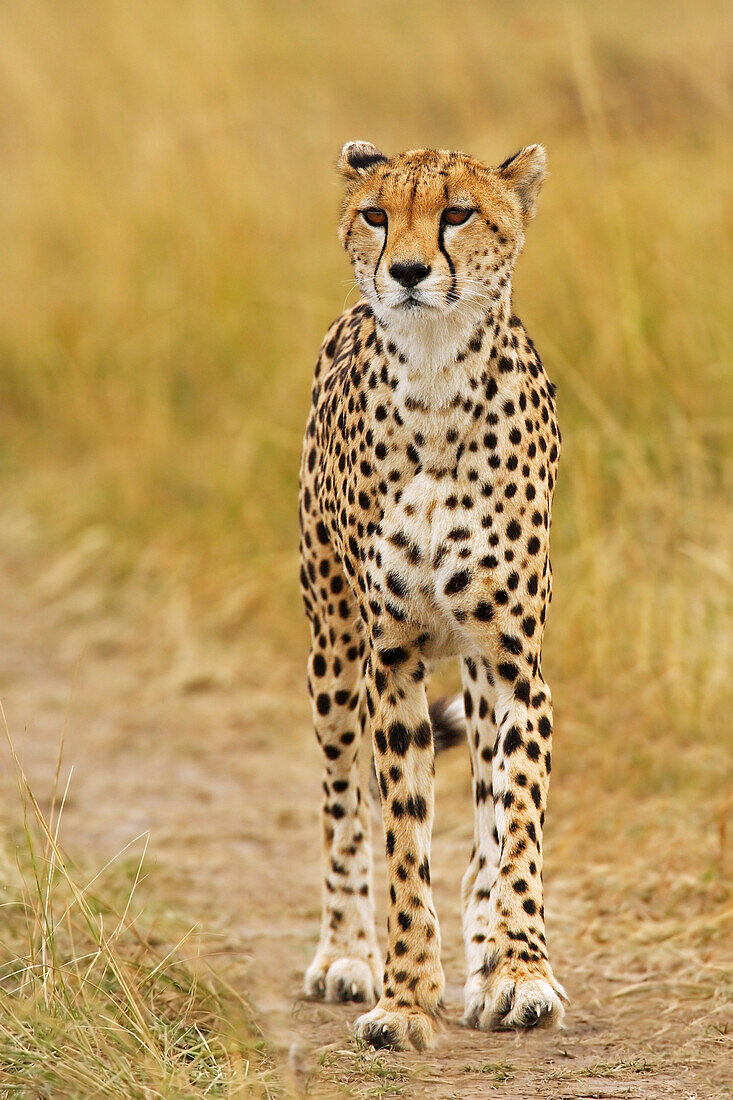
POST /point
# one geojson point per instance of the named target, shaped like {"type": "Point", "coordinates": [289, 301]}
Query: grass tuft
{"type": "Point", "coordinates": [92, 1002]}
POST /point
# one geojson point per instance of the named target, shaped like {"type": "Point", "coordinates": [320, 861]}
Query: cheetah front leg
{"type": "Point", "coordinates": [403, 757]}
{"type": "Point", "coordinates": [347, 964]}
{"type": "Point", "coordinates": [512, 985]}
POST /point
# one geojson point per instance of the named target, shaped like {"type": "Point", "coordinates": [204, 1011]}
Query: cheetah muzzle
{"type": "Point", "coordinates": [426, 488]}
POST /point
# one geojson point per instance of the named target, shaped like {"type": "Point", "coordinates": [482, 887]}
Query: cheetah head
{"type": "Point", "coordinates": [433, 235]}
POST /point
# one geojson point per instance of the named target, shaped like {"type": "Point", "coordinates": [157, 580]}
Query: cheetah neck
{"type": "Point", "coordinates": [435, 362]}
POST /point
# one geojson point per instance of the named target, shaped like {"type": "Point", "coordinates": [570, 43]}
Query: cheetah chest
{"type": "Point", "coordinates": [427, 537]}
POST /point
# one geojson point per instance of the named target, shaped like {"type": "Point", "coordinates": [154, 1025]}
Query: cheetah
{"type": "Point", "coordinates": [426, 484]}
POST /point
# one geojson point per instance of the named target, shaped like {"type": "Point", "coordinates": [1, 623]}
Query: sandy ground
{"type": "Point", "coordinates": [224, 773]}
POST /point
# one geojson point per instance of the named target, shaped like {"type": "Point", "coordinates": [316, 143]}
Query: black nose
{"type": "Point", "coordinates": [409, 274]}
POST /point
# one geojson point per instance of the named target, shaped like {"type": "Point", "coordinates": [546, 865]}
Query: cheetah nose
{"type": "Point", "coordinates": [409, 274]}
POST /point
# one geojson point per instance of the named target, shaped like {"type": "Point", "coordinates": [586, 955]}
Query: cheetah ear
{"type": "Point", "coordinates": [524, 172]}
{"type": "Point", "coordinates": [358, 159]}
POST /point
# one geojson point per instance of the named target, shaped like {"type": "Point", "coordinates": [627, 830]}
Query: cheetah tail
{"type": "Point", "coordinates": [448, 719]}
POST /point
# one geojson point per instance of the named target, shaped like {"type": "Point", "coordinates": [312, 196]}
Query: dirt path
{"type": "Point", "coordinates": [225, 775]}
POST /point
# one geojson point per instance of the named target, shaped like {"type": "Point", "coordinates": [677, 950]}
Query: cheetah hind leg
{"type": "Point", "coordinates": [347, 965]}
{"type": "Point", "coordinates": [343, 979]}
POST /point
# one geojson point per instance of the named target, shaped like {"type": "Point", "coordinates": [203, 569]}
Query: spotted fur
{"type": "Point", "coordinates": [427, 478]}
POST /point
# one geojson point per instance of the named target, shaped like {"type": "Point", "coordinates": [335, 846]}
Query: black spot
{"type": "Point", "coordinates": [396, 656]}
{"type": "Point", "coordinates": [399, 738]}
{"type": "Point", "coordinates": [483, 791]}
{"type": "Point", "coordinates": [423, 735]}
{"type": "Point", "coordinates": [397, 585]}
{"type": "Point", "coordinates": [508, 670]}
{"type": "Point", "coordinates": [458, 582]}
{"type": "Point", "coordinates": [528, 626]}
{"type": "Point", "coordinates": [521, 692]}
{"type": "Point", "coordinates": [512, 741]}
{"type": "Point", "coordinates": [417, 807]}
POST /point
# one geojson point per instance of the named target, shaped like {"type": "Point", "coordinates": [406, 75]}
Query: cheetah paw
{"type": "Point", "coordinates": [511, 1003]}
{"type": "Point", "coordinates": [396, 1029]}
{"type": "Point", "coordinates": [344, 979]}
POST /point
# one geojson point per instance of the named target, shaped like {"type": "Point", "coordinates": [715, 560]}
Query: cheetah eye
{"type": "Point", "coordinates": [456, 215]}
{"type": "Point", "coordinates": [374, 216]}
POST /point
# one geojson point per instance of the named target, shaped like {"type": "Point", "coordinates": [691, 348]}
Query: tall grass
{"type": "Point", "coordinates": [169, 264]}
{"type": "Point", "coordinates": [91, 1002]}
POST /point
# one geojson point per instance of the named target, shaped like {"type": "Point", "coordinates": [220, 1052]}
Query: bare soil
{"type": "Point", "coordinates": [223, 769]}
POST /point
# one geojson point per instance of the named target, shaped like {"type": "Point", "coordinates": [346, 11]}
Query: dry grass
{"type": "Point", "coordinates": [94, 1002]}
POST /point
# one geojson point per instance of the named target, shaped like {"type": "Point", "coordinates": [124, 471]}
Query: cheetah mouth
{"type": "Point", "coordinates": [413, 301]}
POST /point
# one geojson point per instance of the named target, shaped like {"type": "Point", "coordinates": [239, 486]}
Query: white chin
{"type": "Point", "coordinates": [411, 309]}
{"type": "Point", "coordinates": [411, 305]}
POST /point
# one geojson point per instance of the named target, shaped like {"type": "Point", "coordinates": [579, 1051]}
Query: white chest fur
{"type": "Point", "coordinates": [427, 535]}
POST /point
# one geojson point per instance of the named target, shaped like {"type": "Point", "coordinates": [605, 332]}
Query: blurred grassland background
{"type": "Point", "coordinates": [168, 267]}
{"type": "Point", "coordinates": [169, 264]}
